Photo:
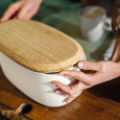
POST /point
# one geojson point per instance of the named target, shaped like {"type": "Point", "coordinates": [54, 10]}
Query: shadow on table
{"type": "Point", "coordinates": [109, 90]}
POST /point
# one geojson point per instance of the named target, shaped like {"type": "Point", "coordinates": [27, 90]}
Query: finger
{"type": "Point", "coordinates": [63, 87]}
{"type": "Point", "coordinates": [86, 65]}
{"type": "Point", "coordinates": [11, 11]}
{"type": "Point", "coordinates": [33, 10]}
{"type": "Point", "coordinates": [59, 91]}
{"type": "Point", "coordinates": [78, 87]}
{"type": "Point", "coordinates": [29, 14]}
{"type": "Point", "coordinates": [71, 98]}
{"type": "Point", "coordinates": [75, 87]}
{"type": "Point", "coordinates": [74, 84]}
{"type": "Point", "coordinates": [77, 75]}
{"type": "Point", "coordinates": [28, 6]}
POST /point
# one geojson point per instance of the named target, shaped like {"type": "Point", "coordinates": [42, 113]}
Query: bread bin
{"type": "Point", "coordinates": [31, 56]}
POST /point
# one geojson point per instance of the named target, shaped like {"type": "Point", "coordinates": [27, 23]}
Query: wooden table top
{"type": "Point", "coordinates": [88, 106]}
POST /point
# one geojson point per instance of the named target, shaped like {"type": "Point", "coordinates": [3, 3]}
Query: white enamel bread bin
{"type": "Point", "coordinates": [32, 55]}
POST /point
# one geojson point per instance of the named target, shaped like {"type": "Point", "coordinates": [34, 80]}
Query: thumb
{"type": "Point", "coordinates": [87, 65]}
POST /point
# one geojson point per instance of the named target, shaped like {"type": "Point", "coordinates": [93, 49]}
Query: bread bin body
{"type": "Point", "coordinates": [30, 46]}
{"type": "Point", "coordinates": [36, 85]}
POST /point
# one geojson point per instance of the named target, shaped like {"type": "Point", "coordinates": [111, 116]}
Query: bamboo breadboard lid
{"type": "Point", "coordinates": [38, 47]}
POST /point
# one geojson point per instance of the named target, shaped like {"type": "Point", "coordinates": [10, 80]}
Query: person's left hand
{"type": "Point", "coordinates": [22, 9]}
{"type": "Point", "coordinates": [102, 71]}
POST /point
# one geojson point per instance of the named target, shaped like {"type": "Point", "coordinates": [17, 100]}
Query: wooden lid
{"type": "Point", "coordinates": [38, 47]}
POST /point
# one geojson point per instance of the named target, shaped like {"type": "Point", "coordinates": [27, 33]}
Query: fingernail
{"type": "Point", "coordinates": [67, 101]}
{"type": "Point", "coordinates": [81, 65]}
{"type": "Point", "coordinates": [58, 92]}
{"type": "Point", "coordinates": [70, 100]}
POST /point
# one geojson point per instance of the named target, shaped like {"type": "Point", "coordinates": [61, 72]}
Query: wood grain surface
{"type": "Point", "coordinates": [38, 46]}
{"type": "Point", "coordinates": [88, 106]}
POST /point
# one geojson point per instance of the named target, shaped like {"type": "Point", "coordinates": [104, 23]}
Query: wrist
{"type": "Point", "coordinates": [118, 69]}
{"type": "Point", "coordinates": [116, 54]}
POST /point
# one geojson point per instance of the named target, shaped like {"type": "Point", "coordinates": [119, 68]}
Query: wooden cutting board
{"type": "Point", "coordinates": [38, 47]}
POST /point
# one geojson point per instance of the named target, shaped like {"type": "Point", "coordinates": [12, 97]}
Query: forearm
{"type": "Point", "coordinates": [116, 53]}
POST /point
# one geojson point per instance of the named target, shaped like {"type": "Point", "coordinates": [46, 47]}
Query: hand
{"type": "Point", "coordinates": [100, 72]}
{"type": "Point", "coordinates": [23, 9]}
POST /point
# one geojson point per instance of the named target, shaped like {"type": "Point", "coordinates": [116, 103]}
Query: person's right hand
{"type": "Point", "coordinates": [22, 9]}
{"type": "Point", "coordinates": [101, 71]}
